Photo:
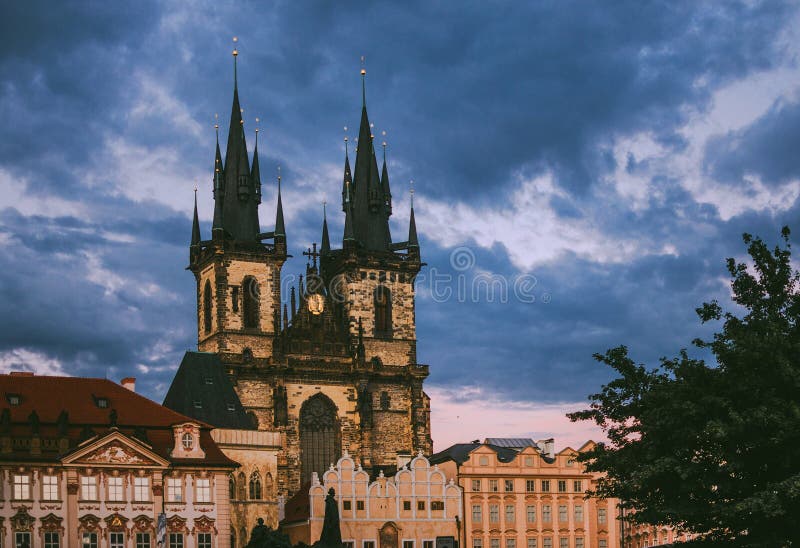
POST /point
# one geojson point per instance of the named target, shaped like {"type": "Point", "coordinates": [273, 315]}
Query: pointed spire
{"type": "Point", "coordinates": [326, 240]}
{"type": "Point", "coordinates": [235, 56]}
{"type": "Point", "coordinates": [363, 83]}
{"type": "Point", "coordinates": [280, 228]}
{"type": "Point", "coordinates": [348, 177]}
{"type": "Point", "coordinates": [255, 172]}
{"type": "Point", "coordinates": [349, 235]}
{"type": "Point", "coordinates": [293, 300]}
{"type": "Point", "coordinates": [217, 230]}
{"type": "Point", "coordinates": [387, 193]}
{"type": "Point", "coordinates": [195, 223]}
{"type": "Point", "coordinates": [285, 316]}
{"type": "Point", "coordinates": [413, 242]}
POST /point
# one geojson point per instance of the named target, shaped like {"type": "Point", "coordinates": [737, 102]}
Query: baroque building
{"type": "Point", "coordinates": [332, 367]}
{"type": "Point", "coordinates": [89, 463]}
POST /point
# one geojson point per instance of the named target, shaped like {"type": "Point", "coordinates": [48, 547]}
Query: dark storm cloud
{"type": "Point", "coordinates": [767, 148]}
{"type": "Point", "coordinates": [470, 98]}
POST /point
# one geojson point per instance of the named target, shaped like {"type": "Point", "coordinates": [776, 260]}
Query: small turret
{"type": "Point", "coordinates": [194, 248]}
{"type": "Point", "coordinates": [326, 240]}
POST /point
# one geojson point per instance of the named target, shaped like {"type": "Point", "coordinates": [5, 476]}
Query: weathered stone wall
{"type": "Point", "coordinates": [360, 287]}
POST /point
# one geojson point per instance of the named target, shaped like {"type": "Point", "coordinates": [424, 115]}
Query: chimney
{"type": "Point", "coordinates": [129, 383]}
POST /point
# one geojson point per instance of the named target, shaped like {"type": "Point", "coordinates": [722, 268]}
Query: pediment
{"type": "Point", "coordinates": [115, 449]}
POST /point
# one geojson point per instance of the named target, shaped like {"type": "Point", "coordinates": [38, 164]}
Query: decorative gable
{"type": "Point", "coordinates": [115, 449]}
{"type": "Point", "coordinates": [187, 441]}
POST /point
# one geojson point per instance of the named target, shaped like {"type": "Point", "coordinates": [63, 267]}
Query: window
{"type": "Point", "coordinates": [255, 486]}
{"type": "Point", "coordinates": [142, 540]}
{"type": "Point", "coordinates": [102, 403]}
{"type": "Point", "coordinates": [187, 440]}
{"type": "Point", "coordinates": [13, 399]}
{"type": "Point", "coordinates": [427, 544]}
{"type": "Point", "coordinates": [116, 540]}
{"type": "Point", "coordinates": [483, 461]}
{"type": "Point", "coordinates": [115, 489]}
{"type": "Point", "coordinates": [547, 542]}
{"type": "Point", "coordinates": [203, 540]}
{"type": "Point", "coordinates": [579, 513]}
{"type": "Point", "coordinates": [174, 489]}
{"type": "Point", "coordinates": [385, 401]}
{"type": "Point", "coordinates": [22, 487]}
{"type": "Point", "coordinates": [231, 407]}
{"type": "Point", "coordinates": [49, 487]}
{"type": "Point", "coordinates": [476, 513]}
{"type": "Point", "coordinates": [408, 544]}
{"type": "Point", "coordinates": [203, 490]}
{"type": "Point", "coordinates": [88, 488]}
{"type": "Point", "coordinates": [52, 540]}
{"type": "Point", "coordinates": [494, 513]}
{"type": "Point", "coordinates": [509, 486]}
{"type": "Point", "coordinates": [562, 512]}
{"type": "Point", "coordinates": [532, 543]}
{"type": "Point", "coordinates": [602, 543]}
{"type": "Point", "coordinates": [141, 489]}
{"type": "Point", "coordinates": [562, 486]}
{"type": "Point", "coordinates": [493, 486]}
{"type": "Point", "coordinates": [563, 542]}
{"type": "Point", "coordinates": [510, 513]}
{"type": "Point", "coordinates": [420, 505]}
{"type": "Point", "coordinates": [90, 540]}
{"type": "Point", "coordinates": [347, 505]}
{"type": "Point", "coordinates": [477, 543]}
{"type": "Point", "coordinates": [578, 542]}
{"type": "Point", "coordinates": [383, 311]}
{"type": "Point", "coordinates": [476, 485]}
{"type": "Point", "coordinates": [320, 436]}
{"type": "Point", "coordinates": [547, 513]}
{"type": "Point", "coordinates": [197, 404]}
{"type": "Point", "coordinates": [348, 544]}
{"type": "Point", "coordinates": [577, 486]}
{"type": "Point", "coordinates": [601, 515]}
{"type": "Point", "coordinates": [437, 505]}
{"type": "Point", "coordinates": [359, 505]}
{"type": "Point", "coordinates": [531, 513]}
{"type": "Point", "coordinates": [529, 461]}
{"type": "Point", "coordinates": [368, 544]}
{"type": "Point", "coordinates": [407, 505]}
{"type": "Point", "coordinates": [250, 302]}
{"type": "Point", "coordinates": [176, 540]}
{"type": "Point", "coordinates": [235, 298]}
{"type": "Point", "coordinates": [495, 543]}
{"type": "Point", "coordinates": [207, 307]}
{"type": "Point", "coordinates": [570, 462]}
{"type": "Point", "coordinates": [22, 539]}
{"type": "Point", "coordinates": [545, 486]}
{"type": "Point", "coordinates": [231, 488]}
{"type": "Point", "coordinates": [511, 543]}
{"type": "Point", "coordinates": [530, 486]}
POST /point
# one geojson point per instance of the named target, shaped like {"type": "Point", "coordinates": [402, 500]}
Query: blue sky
{"type": "Point", "coordinates": [605, 156]}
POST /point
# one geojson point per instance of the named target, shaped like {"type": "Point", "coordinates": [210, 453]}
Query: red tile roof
{"type": "Point", "coordinates": [78, 396]}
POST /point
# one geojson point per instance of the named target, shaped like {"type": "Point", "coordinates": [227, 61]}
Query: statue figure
{"type": "Point", "coordinates": [258, 536]}
{"type": "Point", "coordinates": [331, 536]}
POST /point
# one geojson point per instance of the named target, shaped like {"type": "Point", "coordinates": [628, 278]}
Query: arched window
{"type": "Point", "coordinates": [250, 292]}
{"type": "Point", "coordinates": [384, 400]}
{"type": "Point", "coordinates": [255, 486]}
{"type": "Point", "coordinates": [207, 306]}
{"type": "Point", "coordinates": [231, 487]}
{"type": "Point", "coordinates": [383, 311]}
{"type": "Point", "coordinates": [320, 444]}
{"type": "Point", "coordinates": [240, 486]}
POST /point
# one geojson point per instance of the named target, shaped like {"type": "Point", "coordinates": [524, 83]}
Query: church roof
{"type": "Point", "coordinates": [459, 453]}
{"type": "Point", "coordinates": [202, 390]}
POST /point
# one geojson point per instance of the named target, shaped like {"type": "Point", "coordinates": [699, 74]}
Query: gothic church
{"type": "Point", "coordinates": [331, 367]}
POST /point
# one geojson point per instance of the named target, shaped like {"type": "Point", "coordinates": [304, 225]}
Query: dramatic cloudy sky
{"type": "Point", "coordinates": [601, 160]}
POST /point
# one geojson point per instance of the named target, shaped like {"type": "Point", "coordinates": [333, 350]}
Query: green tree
{"type": "Point", "coordinates": [714, 449]}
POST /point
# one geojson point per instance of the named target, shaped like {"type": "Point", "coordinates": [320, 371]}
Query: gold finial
{"type": "Point", "coordinates": [235, 49]}
{"type": "Point", "coordinates": [241, 113]}
{"type": "Point", "coordinates": [363, 66]}
{"type": "Point", "coordinates": [383, 134]}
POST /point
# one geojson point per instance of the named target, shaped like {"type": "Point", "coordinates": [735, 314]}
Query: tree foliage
{"type": "Point", "coordinates": [714, 449]}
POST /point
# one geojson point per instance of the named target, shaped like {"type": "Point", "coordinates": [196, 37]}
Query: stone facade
{"type": "Point", "coordinates": [409, 510]}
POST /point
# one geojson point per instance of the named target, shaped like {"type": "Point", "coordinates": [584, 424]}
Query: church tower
{"type": "Point", "coordinates": [333, 367]}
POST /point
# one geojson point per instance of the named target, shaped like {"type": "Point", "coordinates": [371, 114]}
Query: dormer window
{"type": "Point", "coordinates": [209, 380]}
{"type": "Point", "coordinates": [231, 407]}
{"type": "Point", "coordinates": [188, 441]}
{"type": "Point", "coordinates": [101, 402]}
{"type": "Point", "coordinates": [13, 399]}
{"type": "Point", "coordinates": [197, 404]}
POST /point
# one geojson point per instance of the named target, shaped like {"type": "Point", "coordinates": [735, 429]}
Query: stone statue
{"type": "Point", "coordinates": [331, 536]}
{"type": "Point", "coordinates": [258, 536]}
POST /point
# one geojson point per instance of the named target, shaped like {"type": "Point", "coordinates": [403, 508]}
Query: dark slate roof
{"type": "Point", "coordinates": [201, 380]}
{"type": "Point", "coordinates": [459, 453]}
{"type": "Point", "coordinates": [512, 443]}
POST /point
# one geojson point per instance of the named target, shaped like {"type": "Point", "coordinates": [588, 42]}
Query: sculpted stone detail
{"type": "Point", "coordinates": [116, 453]}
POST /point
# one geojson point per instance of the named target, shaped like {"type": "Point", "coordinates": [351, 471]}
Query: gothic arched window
{"type": "Point", "coordinates": [384, 400]}
{"type": "Point", "coordinates": [383, 311]}
{"type": "Point", "coordinates": [250, 292]}
{"type": "Point", "coordinates": [255, 486]}
{"type": "Point", "coordinates": [240, 487]}
{"type": "Point", "coordinates": [231, 488]}
{"type": "Point", "coordinates": [207, 306]}
{"type": "Point", "coordinates": [320, 444]}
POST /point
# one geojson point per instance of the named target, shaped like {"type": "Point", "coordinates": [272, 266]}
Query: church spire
{"type": "Point", "coordinates": [255, 174]}
{"type": "Point", "coordinates": [195, 223]}
{"type": "Point", "coordinates": [280, 228]}
{"type": "Point", "coordinates": [349, 235]}
{"type": "Point", "coordinates": [326, 240]}
{"type": "Point", "coordinates": [217, 230]}
{"type": "Point", "coordinates": [348, 177]}
{"type": "Point", "coordinates": [413, 242]}
{"type": "Point", "coordinates": [387, 194]}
